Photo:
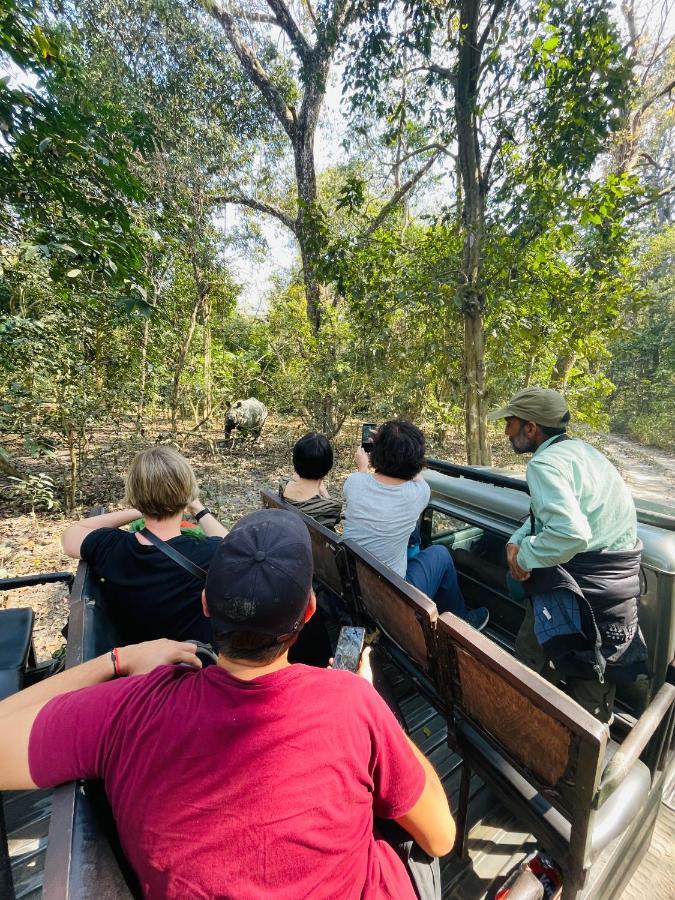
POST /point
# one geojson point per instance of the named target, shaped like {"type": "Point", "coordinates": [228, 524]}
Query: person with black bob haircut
{"type": "Point", "coordinates": [312, 461]}
{"type": "Point", "coordinates": [383, 508]}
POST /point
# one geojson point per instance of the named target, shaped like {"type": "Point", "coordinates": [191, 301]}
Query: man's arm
{"type": "Point", "coordinates": [521, 533]}
{"type": "Point", "coordinates": [74, 535]}
{"type": "Point", "coordinates": [19, 712]}
{"type": "Point", "coordinates": [430, 821]}
{"type": "Point", "coordinates": [211, 525]}
{"type": "Point", "coordinates": [565, 529]}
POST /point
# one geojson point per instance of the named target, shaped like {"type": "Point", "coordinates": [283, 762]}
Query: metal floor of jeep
{"type": "Point", "coordinates": [495, 842]}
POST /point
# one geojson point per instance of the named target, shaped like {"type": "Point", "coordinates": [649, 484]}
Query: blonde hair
{"type": "Point", "coordinates": [160, 482]}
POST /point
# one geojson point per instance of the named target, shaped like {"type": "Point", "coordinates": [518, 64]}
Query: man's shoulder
{"type": "Point", "coordinates": [339, 682]}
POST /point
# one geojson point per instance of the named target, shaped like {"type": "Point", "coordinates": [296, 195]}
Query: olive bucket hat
{"type": "Point", "coordinates": [544, 406]}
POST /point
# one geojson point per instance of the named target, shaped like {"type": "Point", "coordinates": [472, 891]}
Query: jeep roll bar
{"type": "Point", "coordinates": [646, 513]}
{"type": "Point", "coordinates": [482, 475]}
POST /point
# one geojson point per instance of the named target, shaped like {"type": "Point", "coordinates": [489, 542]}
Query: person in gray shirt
{"type": "Point", "coordinates": [382, 510]}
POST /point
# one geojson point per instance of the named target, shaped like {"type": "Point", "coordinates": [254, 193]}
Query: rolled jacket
{"type": "Point", "coordinates": [606, 584]}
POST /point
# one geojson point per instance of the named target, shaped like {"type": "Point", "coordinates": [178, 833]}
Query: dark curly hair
{"type": "Point", "coordinates": [398, 450]}
{"type": "Point", "coordinates": [313, 455]}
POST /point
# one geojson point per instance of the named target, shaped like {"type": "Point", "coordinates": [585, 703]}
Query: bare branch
{"type": "Point", "coordinates": [655, 197]}
{"type": "Point", "coordinates": [485, 178]}
{"type": "Point", "coordinates": [497, 8]}
{"type": "Point", "coordinates": [254, 69]}
{"type": "Point", "coordinates": [344, 11]}
{"type": "Point", "coordinates": [442, 148]}
{"type": "Point", "coordinates": [657, 96]}
{"type": "Point", "coordinates": [288, 24]}
{"type": "Point", "coordinates": [400, 194]}
{"type": "Point", "coordinates": [258, 18]}
{"type": "Point", "coordinates": [258, 205]}
{"type": "Point", "coordinates": [310, 11]}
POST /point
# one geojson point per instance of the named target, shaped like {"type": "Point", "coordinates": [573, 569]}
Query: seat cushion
{"type": "Point", "coordinates": [16, 632]}
{"type": "Point", "coordinates": [611, 819]}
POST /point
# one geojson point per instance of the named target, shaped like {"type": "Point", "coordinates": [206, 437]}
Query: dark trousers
{"type": "Point", "coordinates": [596, 698]}
{"type": "Point", "coordinates": [424, 870]}
{"type": "Point", "coordinates": [434, 573]}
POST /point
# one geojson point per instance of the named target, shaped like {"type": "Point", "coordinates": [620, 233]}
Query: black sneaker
{"type": "Point", "coordinates": [478, 618]}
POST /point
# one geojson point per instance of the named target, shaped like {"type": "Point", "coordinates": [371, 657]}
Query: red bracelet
{"type": "Point", "coordinates": [115, 657]}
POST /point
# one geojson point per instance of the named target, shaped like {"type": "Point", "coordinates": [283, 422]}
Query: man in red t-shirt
{"type": "Point", "coordinates": [249, 779]}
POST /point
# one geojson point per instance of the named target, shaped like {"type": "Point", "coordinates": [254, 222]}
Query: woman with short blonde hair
{"type": "Point", "coordinates": [150, 594]}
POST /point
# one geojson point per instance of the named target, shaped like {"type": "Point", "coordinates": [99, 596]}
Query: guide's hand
{"type": "Point", "coordinates": [361, 459]}
{"type": "Point", "coordinates": [137, 659]}
{"type": "Point", "coordinates": [515, 570]}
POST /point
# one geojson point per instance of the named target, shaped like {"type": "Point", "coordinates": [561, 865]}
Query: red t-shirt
{"type": "Point", "coordinates": [243, 789]}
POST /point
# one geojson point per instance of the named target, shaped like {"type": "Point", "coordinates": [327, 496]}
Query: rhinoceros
{"type": "Point", "coordinates": [246, 415]}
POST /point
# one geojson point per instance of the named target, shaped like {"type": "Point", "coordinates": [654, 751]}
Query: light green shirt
{"type": "Point", "coordinates": [579, 501]}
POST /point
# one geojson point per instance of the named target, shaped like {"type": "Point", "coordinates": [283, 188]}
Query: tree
{"type": "Point", "coordinates": [296, 103]}
{"type": "Point", "coordinates": [537, 89]}
{"type": "Point", "coordinates": [66, 186]}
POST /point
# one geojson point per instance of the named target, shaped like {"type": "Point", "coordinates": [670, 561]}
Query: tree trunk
{"type": "Point", "coordinates": [306, 226]}
{"type": "Point", "coordinates": [473, 227]}
{"type": "Point", "coordinates": [182, 358]}
{"type": "Point", "coordinates": [206, 319]}
{"type": "Point", "coordinates": [71, 496]}
{"type": "Point", "coordinates": [561, 370]}
{"type": "Point", "coordinates": [143, 374]}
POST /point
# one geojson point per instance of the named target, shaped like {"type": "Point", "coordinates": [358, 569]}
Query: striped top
{"type": "Point", "coordinates": [325, 510]}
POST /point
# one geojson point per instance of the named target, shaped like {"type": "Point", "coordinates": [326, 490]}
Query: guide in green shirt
{"type": "Point", "coordinates": [579, 505]}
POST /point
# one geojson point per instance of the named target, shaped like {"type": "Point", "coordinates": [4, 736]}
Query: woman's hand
{"type": "Point", "coordinates": [138, 659]}
{"type": "Point", "coordinates": [361, 459]}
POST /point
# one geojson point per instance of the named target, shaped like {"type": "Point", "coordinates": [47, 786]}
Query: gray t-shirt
{"type": "Point", "coordinates": [381, 517]}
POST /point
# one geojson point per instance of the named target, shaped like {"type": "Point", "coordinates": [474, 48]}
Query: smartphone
{"type": "Point", "coordinates": [349, 648]}
{"type": "Point", "coordinates": [367, 436]}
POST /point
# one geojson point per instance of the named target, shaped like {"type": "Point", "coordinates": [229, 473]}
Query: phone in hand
{"type": "Point", "coordinates": [367, 430]}
{"type": "Point", "coordinates": [349, 648]}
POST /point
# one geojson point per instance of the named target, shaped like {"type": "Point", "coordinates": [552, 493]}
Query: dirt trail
{"type": "Point", "coordinates": [648, 471]}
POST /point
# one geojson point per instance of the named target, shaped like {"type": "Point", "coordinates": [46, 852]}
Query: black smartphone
{"type": "Point", "coordinates": [367, 436]}
{"type": "Point", "coordinates": [349, 648]}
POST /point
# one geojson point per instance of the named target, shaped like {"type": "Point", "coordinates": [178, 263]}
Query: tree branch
{"type": "Point", "coordinates": [258, 205]}
{"type": "Point", "coordinates": [262, 18]}
{"type": "Point", "coordinates": [655, 197]}
{"type": "Point", "coordinates": [498, 7]}
{"type": "Point", "coordinates": [657, 96]}
{"type": "Point", "coordinates": [343, 13]}
{"type": "Point", "coordinates": [288, 24]}
{"type": "Point", "coordinates": [400, 194]}
{"type": "Point", "coordinates": [254, 69]}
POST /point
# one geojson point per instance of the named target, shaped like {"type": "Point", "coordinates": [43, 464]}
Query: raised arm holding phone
{"type": "Point", "coordinates": [384, 506]}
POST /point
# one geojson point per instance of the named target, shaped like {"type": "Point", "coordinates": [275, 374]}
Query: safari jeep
{"type": "Point", "coordinates": [526, 769]}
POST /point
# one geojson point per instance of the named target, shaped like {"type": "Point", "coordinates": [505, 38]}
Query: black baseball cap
{"type": "Point", "coordinates": [260, 576]}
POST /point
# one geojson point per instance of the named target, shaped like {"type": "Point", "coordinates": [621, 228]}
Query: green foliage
{"type": "Point", "coordinates": [643, 353]}
{"type": "Point", "coordinates": [66, 187]}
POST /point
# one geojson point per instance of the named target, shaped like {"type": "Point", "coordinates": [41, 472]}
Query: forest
{"type": "Point", "coordinates": [475, 196]}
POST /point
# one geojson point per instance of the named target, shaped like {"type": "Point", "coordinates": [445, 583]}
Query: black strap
{"type": "Point", "coordinates": [174, 554]}
{"type": "Point", "coordinates": [556, 440]}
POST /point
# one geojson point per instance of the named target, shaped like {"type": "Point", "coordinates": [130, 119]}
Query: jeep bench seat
{"type": "Point", "coordinates": [16, 633]}
{"type": "Point", "coordinates": [611, 819]}
{"type": "Point", "coordinates": [547, 758]}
